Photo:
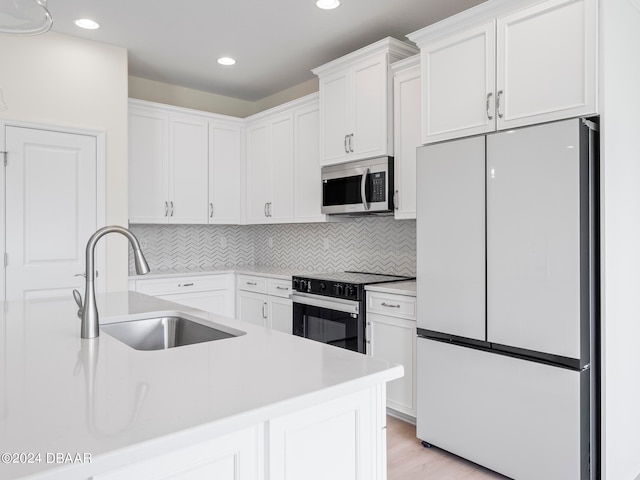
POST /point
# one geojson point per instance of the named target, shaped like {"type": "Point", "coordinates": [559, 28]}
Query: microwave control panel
{"type": "Point", "coordinates": [378, 187]}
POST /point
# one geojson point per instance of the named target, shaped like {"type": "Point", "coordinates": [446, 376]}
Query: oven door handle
{"type": "Point", "coordinates": [338, 305]}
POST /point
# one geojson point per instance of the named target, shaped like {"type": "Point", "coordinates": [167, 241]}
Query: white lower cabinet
{"type": "Point", "coordinates": [339, 439]}
{"type": "Point", "coordinates": [343, 439]}
{"type": "Point", "coordinates": [265, 302]}
{"type": "Point", "coordinates": [235, 456]}
{"type": "Point", "coordinates": [211, 293]}
{"type": "Point", "coordinates": [391, 320]}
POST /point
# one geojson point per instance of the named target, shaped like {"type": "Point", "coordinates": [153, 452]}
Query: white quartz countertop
{"type": "Point", "coordinates": [399, 288]}
{"type": "Point", "coordinates": [273, 272]}
{"type": "Point", "coordinates": [60, 393]}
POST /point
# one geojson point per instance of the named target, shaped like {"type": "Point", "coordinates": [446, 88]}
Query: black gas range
{"type": "Point", "coordinates": [330, 307]}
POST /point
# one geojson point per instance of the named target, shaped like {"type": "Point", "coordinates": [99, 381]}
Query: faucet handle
{"type": "Point", "coordinates": [78, 298]}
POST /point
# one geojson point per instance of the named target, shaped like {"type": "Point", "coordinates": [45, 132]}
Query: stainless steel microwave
{"type": "Point", "coordinates": [360, 187]}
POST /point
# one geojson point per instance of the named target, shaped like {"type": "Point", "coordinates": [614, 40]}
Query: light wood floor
{"type": "Point", "coordinates": [407, 459]}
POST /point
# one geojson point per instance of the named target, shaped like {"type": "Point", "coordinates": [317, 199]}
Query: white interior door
{"type": "Point", "coordinates": [51, 210]}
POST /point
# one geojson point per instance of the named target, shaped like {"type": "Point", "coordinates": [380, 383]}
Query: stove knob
{"type": "Point", "coordinates": [339, 289]}
{"type": "Point", "coordinates": [296, 284]}
{"type": "Point", "coordinates": [350, 291]}
{"type": "Point", "coordinates": [323, 286]}
{"type": "Point", "coordinates": [303, 285]}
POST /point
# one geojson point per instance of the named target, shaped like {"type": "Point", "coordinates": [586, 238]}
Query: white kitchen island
{"type": "Point", "coordinates": [264, 405]}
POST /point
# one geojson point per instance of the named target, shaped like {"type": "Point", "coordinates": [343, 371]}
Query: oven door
{"type": "Point", "coordinates": [329, 320]}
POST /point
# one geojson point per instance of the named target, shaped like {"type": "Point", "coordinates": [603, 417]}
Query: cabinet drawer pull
{"type": "Point", "coordinates": [252, 283]}
{"type": "Point", "coordinates": [389, 305]}
{"type": "Point", "coordinates": [499, 102]}
{"type": "Point", "coordinates": [282, 288]}
{"type": "Point", "coordinates": [185, 284]}
{"type": "Point", "coordinates": [489, 95]}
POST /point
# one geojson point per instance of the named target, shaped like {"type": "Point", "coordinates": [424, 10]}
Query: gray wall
{"type": "Point", "coordinates": [373, 244]}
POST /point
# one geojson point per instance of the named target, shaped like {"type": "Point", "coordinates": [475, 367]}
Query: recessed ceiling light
{"type": "Point", "coordinates": [328, 4]}
{"type": "Point", "coordinates": [226, 61]}
{"type": "Point", "coordinates": [87, 23]}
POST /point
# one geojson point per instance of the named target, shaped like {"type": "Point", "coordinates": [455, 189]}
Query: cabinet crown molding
{"type": "Point", "coordinates": [396, 49]}
{"type": "Point", "coordinates": [468, 18]}
{"type": "Point", "coordinates": [172, 109]}
{"type": "Point", "coordinates": [406, 63]}
{"type": "Point", "coordinates": [285, 107]}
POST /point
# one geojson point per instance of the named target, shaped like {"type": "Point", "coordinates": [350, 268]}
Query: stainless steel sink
{"type": "Point", "coordinates": [167, 331]}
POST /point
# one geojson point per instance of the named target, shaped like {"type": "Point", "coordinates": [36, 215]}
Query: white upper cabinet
{"type": "Point", "coordinates": [547, 63]}
{"type": "Point", "coordinates": [356, 95]}
{"type": "Point", "coordinates": [458, 85]}
{"type": "Point", "coordinates": [308, 183]}
{"type": "Point", "coordinates": [406, 118]}
{"type": "Point", "coordinates": [225, 172]}
{"type": "Point", "coordinates": [168, 167]}
{"type": "Point", "coordinates": [508, 63]}
{"type": "Point", "coordinates": [270, 170]}
{"type": "Point", "coordinates": [184, 165]}
{"type": "Point", "coordinates": [283, 183]}
{"type": "Point", "coordinates": [148, 166]}
{"type": "Point", "coordinates": [188, 169]}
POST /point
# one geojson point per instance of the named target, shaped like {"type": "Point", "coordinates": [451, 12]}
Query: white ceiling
{"type": "Point", "coordinates": [276, 42]}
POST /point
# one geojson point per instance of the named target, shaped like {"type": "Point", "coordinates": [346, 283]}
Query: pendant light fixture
{"type": "Point", "coordinates": [24, 17]}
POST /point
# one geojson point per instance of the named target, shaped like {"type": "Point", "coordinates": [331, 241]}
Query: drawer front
{"type": "Point", "coordinates": [395, 305]}
{"type": "Point", "coordinates": [199, 283]}
{"type": "Point", "coordinates": [252, 283]}
{"type": "Point", "coordinates": [280, 288]}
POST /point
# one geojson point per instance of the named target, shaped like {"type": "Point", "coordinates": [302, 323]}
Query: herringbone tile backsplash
{"type": "Point", "coordinates": [372, 244]}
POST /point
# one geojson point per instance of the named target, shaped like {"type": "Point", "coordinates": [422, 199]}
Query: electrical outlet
{"type": "Point", "coordinates": [223, 242]}
{"type": "Point", "coordinates": [270, 242]}
{"type": "Point", "coordinates": [143, 243]}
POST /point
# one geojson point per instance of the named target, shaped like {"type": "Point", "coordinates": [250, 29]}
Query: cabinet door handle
{"type": "Point", "coordinates": [264, 310]}
{"type": "Point", "coordinates": [171, 210]}
{"type": "Point", "coordinates": [395, 200]}
{"type": "Point", "coordinates": [346, 150]}
{"type": "Point", "coordinates": [166, 209]}
{"type": "Point", "coordinates": [265, 209]}
{"type": "Point", "coordinates": [211, 210]}
{"type": "Point", "coordinates": [489, 95]}
{"type": "Point", "coordinates": [389, 305]}
{"type": "Point", "coordinates": [185, 284]}
{"type": "Point", "coordinates": [351, 143]}
{"type": "Point", "coordinates": [499, 103]}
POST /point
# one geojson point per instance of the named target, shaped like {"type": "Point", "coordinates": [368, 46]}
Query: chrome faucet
{"type": "Point", "coordinates": [88, 311]}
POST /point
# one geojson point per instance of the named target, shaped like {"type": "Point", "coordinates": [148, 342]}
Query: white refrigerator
{"type": "Point", "coordinates": [507, 284]}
